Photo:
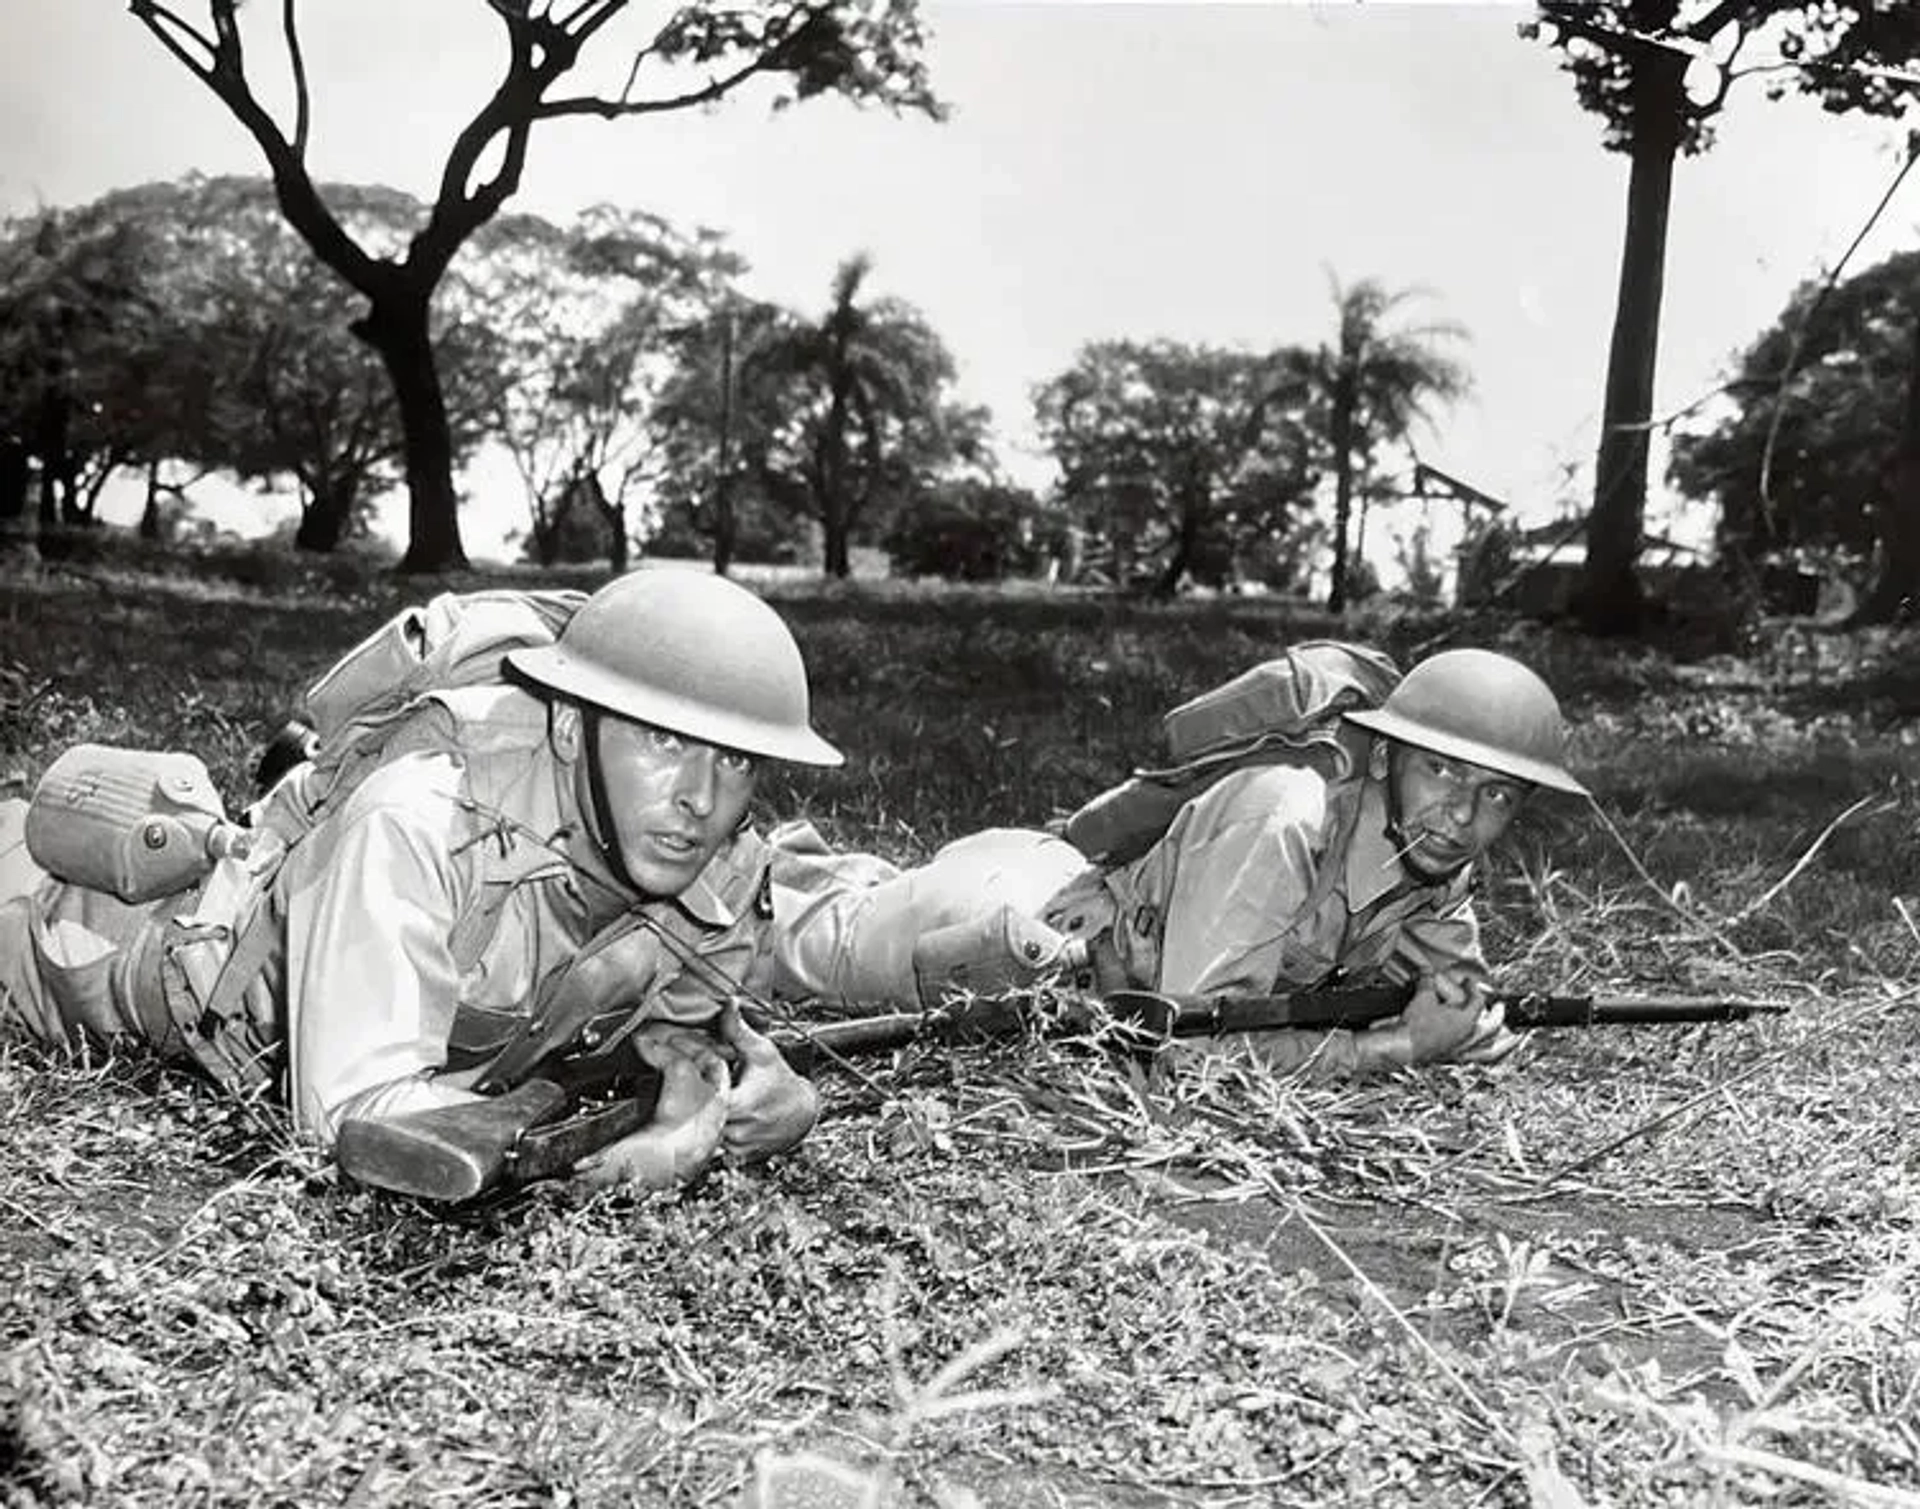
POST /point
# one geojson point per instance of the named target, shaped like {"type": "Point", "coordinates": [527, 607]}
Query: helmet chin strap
{"type": "Point", "coordinates": [600, 824]}
{"type": "Point", "coordinates": [1396, 814]}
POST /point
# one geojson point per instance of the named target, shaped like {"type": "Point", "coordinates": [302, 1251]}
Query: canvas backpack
{"type": "Point", "coordinates": [455, 640]}
{"type": "Point", "coordinates": [1288, 710]}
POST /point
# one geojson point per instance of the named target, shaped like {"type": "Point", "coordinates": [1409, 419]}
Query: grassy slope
{"type": "Point", "coordinates": [1633, 1268]}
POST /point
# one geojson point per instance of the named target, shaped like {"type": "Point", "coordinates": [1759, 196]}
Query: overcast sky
{"type": "Point", "coordinates": [1163, 169]}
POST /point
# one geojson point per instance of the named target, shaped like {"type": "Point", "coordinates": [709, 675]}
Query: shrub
{"type": "Point", "coordinates": [974, 532]}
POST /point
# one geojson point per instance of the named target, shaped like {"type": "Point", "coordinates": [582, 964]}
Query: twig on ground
{"type": "Point", "coordinates": [1298, 1211]}
{"type": "Point", "coordinates": [1793, 873]}
{"type": "Point", "coordinates": [1687, 914]}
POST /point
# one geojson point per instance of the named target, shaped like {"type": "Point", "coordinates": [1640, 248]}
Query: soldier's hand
{"type": "Point", "coordinates": [1449, 1015]}
{"type": "Point", "coordinates": [771, 1107]}
{"type": "Point", "coordinates": [1492, 1039]}
{"type": "Point", "coordinates": [688, 1119]}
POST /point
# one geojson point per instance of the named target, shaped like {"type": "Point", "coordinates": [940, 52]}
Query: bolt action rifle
{"type": "Point", "coordinates": [545, 1109]}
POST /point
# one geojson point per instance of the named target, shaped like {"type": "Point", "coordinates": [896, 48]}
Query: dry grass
{"type": "Point", "coordinates": [1638, 1267]}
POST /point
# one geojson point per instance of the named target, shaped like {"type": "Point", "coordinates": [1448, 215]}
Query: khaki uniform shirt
{"type": "Point", "coordinates": [1275, 877]}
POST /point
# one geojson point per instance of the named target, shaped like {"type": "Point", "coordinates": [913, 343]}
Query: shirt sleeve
{"type": "Point", "coordinates": [1234, 869]}
{"type": "Point", "coordinates": [370, 900]}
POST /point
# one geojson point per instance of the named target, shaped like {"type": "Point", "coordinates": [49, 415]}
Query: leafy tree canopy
{"type": "Point", "coordinates": [1657, 72]}
{"type": "Point", "coordinates": [975, 530]}
{"type": "Point", "coordinates": [1816, 410]}
{"type": "Point", "coordinates": [1178, 458]}
{"type": "Point", "coordinates": [589, 320]}
{"type": "Point", "coordinates": [839, 419]}
{"type": "Point", "coordinates": [1844, 53]}
{"type": "Point", "coordinates": [185, 320]}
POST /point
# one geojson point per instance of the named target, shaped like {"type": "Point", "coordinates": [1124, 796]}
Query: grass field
{"type": "Point", "coordinates": [1636, 1267]}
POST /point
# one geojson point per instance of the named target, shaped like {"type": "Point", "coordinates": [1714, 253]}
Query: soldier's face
{"type": "Point", "coordinates": [1449, 812]}
{"type": "Point", "coordinates": [675, 802]}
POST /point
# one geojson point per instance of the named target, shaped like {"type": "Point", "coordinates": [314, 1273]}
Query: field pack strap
{"type": "Point", "coordinates": [205, 979]}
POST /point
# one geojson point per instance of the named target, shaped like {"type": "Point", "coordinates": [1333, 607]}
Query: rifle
{"type": "Point", "coordinates": [597, 1090]}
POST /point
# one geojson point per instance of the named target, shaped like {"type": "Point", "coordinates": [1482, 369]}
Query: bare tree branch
{"type": "Point", "coordinates": [302, 110]}
{"type": "Point", "coordinates": [539, 52]}
{"type": "Point", "coordinates": [162, 22]}
{"type": "Point", "coordinates": [615, 109]}
{"type": "Point", "coordinates": [639, 59]}
{"type": "Point", "coordinates": [1709, 25]}
{"type": "Point", "coordinates": [227, 28]}
{"type": "Point", "coordinates": [580, 30]}
{"type": "Point", "coordinates": [1725, 72]}
{"type": "Point", "coordinates": [299, 201]}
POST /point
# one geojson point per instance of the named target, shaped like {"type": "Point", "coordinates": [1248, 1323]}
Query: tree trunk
{"type": "Point", "coordinates": [150, 513]}
{"type": "Point", "coordinates": [1895, 594]}
{"type": "Point", "coordinates": [50, 444]}
{"type": "Point", "coordinates": [1341, 428]}
{"type": "Point", "coordinates": [1609, 599]}
{"type": "Point", "coordinates": [74, 512]}
{"type": "Point", "coordinates": [396, 327]}
{"type": "Point", "coordinates": [324, 521]}
{"type": "Point", "coordinates": [835, 523]}
{"type": "Point", "coordinates": [616, 516]}
{"type": "Point", "coordinates": [1167, 585]}
{"type": "Point", "coordinates": [836, 558]}
{"type": "Point", "coordinates": [726, 529]}
{"type": "Point", "coordinates": [15, 479]}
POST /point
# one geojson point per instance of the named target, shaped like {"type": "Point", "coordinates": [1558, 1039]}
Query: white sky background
{"type": "Point", "coordinates": [1147, 170]}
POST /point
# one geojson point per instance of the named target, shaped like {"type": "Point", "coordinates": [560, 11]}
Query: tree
{"type": "Point", "coordinates": [866, 415]}
{"type": "Point", "coordinates": [206, 332]}
{"type": "Point", "coordinates": [1180, 458]}
{"type": "Point", "coordinates": [1375, 384]}
{"type": "Point", "coordinates": [71, 289]}
{"type": "Point", "coordinates": [1817, 448]}
{"type": "Point", "coordinates": [974, 529]}
{"type": "Point", "coordinates": [717, 417]}
{"type": "Point", "coordinates": [294, 393]}
{"type": "Point", "coordinates": [588, 320]}
{"type": "Point", "coordinates": [1630, 61]}
{"type": "Point", "coordinates": [864, 50]}
{"type": "Point", "coordinates": [839, 419]}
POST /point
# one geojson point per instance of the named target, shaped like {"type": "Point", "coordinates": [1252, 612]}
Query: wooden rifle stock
{"type": "Point", "coordinates": [539, 1129]}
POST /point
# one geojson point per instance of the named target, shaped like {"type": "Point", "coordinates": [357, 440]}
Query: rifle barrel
{"type": "Point", "coordinates": [1213, 1016]}
{"type": "Point", "coordinates": [808, 1043]}
{"type": "Point", "coordinates": [1535, 1010]}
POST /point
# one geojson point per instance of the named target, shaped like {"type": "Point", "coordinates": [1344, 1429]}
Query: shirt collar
{"type": "Point", "coordinates": [727, 888]}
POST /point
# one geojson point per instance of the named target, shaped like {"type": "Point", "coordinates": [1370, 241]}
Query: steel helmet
{"type": "Point", "coordinates": [1483, 708]}
{"type": "Point", "coordinates": [687, 651]}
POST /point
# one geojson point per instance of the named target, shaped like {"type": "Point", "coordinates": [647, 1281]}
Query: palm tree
{"type": "Point", "coordinates": [1377, 384]}
{"type": "Point", "coordinates": [874, 374]}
